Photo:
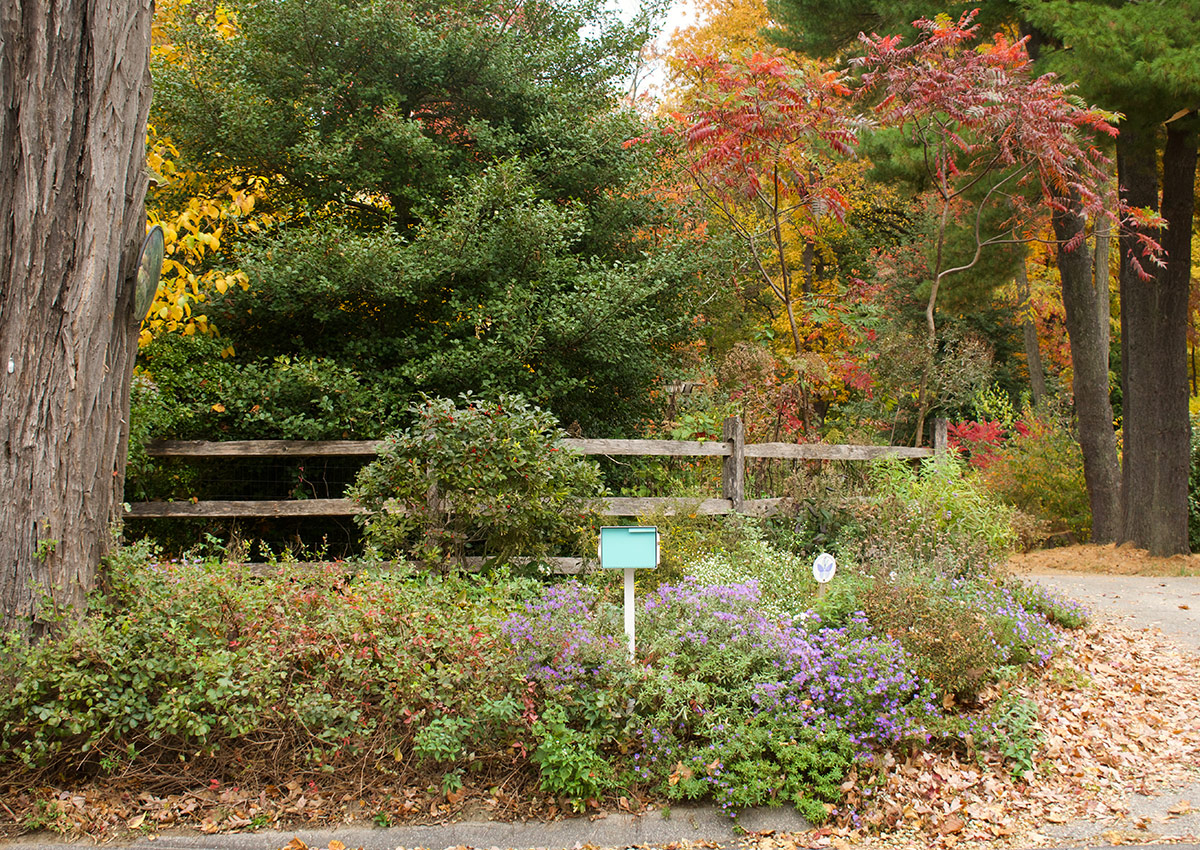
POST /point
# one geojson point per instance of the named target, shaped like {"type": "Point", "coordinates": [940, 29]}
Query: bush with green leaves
{"type": "Point", "coordinates": [198, 394]}
{"type": "Point", "coordinates": [1015, 731]}
{"type": "Point", "coordinates": [937, 517]}
{"type": "Point", "coordinates": [785, 581]}
{"type": "Point", "coordinates": [313, 670]}
{"type": "Point", "coordinates": [1040, 472]}
{"type": "Point", "coordinates": [477, 477]}
{"type": "Point", "coordinates": [569, 761]}
{"type": "Point", "coordinates": [184, 389]}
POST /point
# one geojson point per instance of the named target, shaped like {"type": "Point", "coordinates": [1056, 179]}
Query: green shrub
{"type": "Point", "coordinates": [333, 666]}
{"type": "Point", "coordinates": [784, 580]}
{"type": "Point", "coordinates": [568, 761]}
{"type": "Point", "coordinates": [503, 486]}
{"type": "Point", "coordinates": [937, 518]}
{"type": "Point", "coordinates": [1041, 473]}
{"type": "Point", "coordinates": [1015, 732]}
{"type": "Point", "coordinates": [184, 389]}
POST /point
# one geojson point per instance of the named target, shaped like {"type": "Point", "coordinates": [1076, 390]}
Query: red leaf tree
{"type": "Point", "coordinates": [762, 141]}
{"type": "Point", "coordinates": [991, 133]}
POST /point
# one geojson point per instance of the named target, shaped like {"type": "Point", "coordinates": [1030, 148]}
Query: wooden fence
{"type": "Point", "coordinates": [733, 449]}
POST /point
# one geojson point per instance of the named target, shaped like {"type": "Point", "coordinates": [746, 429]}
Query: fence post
{"type": "Point", "coordinates": [733, 471]}
{"type": "Point", "coordinates": [941, 436]}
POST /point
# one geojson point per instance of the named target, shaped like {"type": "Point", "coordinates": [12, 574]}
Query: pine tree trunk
{"type": "Point", "coordinates": [1087, 313]}
{"type": "Point", "coordinates": [74, 96]}
{"type": "Point", "coordinates": [1154, 319]}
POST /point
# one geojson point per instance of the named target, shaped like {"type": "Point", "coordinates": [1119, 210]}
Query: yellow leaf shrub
{"type": "Point", "coordinates": [194, 230]}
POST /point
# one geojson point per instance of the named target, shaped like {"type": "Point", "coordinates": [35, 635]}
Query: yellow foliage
{"type": "Point", "coordinates": [194, 231]}
{"type": "Point", "coordinates": [725, 28]}
{"type": "Point", "coordinates": [197, 212]}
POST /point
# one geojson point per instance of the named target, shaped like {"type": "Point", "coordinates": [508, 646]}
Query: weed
{"type": "Point", "coordinates": [1017, 735]}
{"type": "Point", "coordinates": [49, 816]}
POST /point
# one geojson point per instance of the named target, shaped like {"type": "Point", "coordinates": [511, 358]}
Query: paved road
{"type": "Point", "coordinates": [1170, 603]}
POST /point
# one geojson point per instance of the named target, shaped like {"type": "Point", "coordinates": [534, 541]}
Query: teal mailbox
{"type": "Point", "coordinates": [628, 547]}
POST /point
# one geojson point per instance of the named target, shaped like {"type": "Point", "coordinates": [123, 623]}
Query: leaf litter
{"type": "Point", "coordinates": [1118, 715]}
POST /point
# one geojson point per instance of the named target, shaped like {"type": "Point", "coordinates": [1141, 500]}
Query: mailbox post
{"type": "Point", "coordinates": [629, 548]}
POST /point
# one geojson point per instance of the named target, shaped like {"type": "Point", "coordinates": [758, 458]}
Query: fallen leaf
{"type": "Point", "coordinates": [951, 825]}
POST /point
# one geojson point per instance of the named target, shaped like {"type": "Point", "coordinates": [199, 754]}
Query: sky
{"type": "Point", "coordinates": [681, 13]}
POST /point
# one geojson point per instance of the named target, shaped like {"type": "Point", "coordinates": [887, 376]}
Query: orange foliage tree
{"type": "Point", "coordinates": [761, 142]}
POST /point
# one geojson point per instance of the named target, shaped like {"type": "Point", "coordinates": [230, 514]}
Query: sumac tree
{"type": "Point", "coordinates": [991, 135]}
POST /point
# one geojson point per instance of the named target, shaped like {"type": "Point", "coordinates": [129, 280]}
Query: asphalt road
{"type": "Point", "coordinates": [1169, 603]}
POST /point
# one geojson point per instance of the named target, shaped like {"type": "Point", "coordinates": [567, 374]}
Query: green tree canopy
{"type": "Point", "coordinates": [461, 206]}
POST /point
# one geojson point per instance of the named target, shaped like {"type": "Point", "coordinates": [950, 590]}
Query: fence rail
{"type": "Point", "coordinates": [733, 450]}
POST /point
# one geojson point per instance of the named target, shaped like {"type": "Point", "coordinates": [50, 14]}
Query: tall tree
{"type": "Point", "coordinates": [762, 139]}
{"type": "Point", "coordinates": [985, 127]}
{"type": "Point", "coordinates": [74, 96]}
{"type": "Point", "coordinates": [460, 202]}
{"type": "Point", "coordinates": [1138, 59]}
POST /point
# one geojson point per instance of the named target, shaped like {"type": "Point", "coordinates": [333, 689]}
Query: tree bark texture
{"type": "Point", "coordinates": [1087, 312]}
{"type": "Point", "coordinates": [74, 98]}
{"type": "Point", "coordinates": [1154, 321]}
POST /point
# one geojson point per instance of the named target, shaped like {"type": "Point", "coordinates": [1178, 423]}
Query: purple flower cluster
{"type": "Point", "coordinates": [1016, 629]}
{"type": "Point", "coordinates": [828, 679]}
{"type": "Point", "coordinates": [562, 642]}
{"type": "Point", "coordinates": [718, 684]}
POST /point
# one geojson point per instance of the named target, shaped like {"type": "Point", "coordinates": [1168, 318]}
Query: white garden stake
{"type": "Point", "coordinates": [824, 568]}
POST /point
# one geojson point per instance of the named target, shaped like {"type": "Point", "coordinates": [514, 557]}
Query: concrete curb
{"type": "Point", "coordinates": [694, 823]}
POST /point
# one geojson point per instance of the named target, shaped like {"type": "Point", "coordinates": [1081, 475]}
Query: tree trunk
{"type": "Point", "coordinates": [1154, 319]}
{"type": "Point", "coordinates": [1087, 311]}
{"type": "Point", "coordinates": [74, 97]}
{"type": "Point", "coordinates": [1033, 352]}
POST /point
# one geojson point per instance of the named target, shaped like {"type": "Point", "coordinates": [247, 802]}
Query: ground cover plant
{"type": "Point", "coordinates": [747, 686]}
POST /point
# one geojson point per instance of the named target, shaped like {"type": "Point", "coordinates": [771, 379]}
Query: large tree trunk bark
{"type": "Point", "coordinates": [1154, 319]}
{"type": "Point", "coordinates": [1087, 311]}
{"type": "Point", "coordinates": [74, 97]}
